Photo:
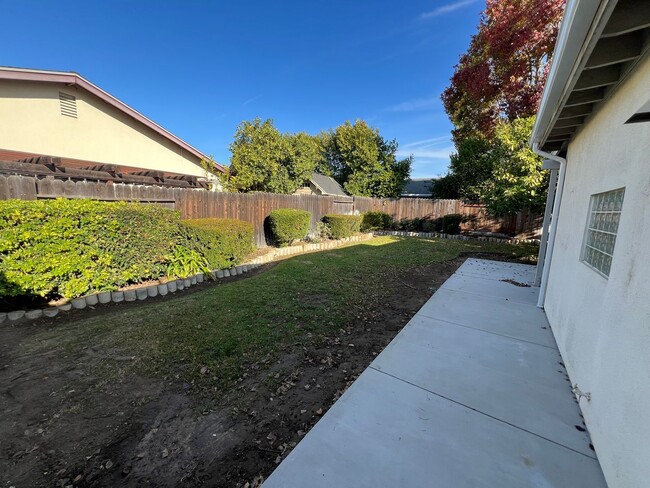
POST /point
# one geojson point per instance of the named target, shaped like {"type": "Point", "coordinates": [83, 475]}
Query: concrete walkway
{"type": "Point", "coordinates": [471, 393]}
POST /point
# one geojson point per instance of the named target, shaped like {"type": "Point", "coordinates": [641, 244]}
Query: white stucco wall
{"type": "Point", "coordinates": [602, 325]}
{"type": "Point", "coordinates": [31, 121]}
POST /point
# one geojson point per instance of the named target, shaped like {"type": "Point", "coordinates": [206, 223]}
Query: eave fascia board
{"type": "Point", "coordinates": [574, 40]}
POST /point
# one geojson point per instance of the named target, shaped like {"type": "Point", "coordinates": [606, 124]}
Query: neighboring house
{"type": "Point", "coordinates": [320, 184]}
{"type": "Point", "coordinates": [594, 118]}
{"type": "Point", "coordinates": [78, 125]}
{"type": "Point", "coordinates": [418, 188]}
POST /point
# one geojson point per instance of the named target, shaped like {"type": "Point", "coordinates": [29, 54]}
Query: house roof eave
{"type": "Point", "coordinates": [572, 41]}
{"type": "Point", "coordinates": [599, 45]}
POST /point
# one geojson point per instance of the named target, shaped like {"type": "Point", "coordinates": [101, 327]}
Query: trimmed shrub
{"type": "Point", "coordinates": [432, 225]}
{"type": "Point", "coordinates": [411, 225]}
{"type": "Point", "coordinates": [223, 242]}
{"type": "Point", "coordinates": [418, 224]}
{"type": "Point", "coordinates": [376, 221]}
{"type": "Point", "coordinates": [288, 225]}
{"type": "Point", "coordinates": [68, 248]}
{"type": "Point", "coordinates": [184, 262]}
{"type": "Point", "coordinates": [397, 225]}
{"type": "Point", "coordinates": [342, 226]}
{"type": "Point", "coordinates": [451, 223]}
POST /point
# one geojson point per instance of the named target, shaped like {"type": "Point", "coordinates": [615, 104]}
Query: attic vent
{"type": "Point", "coordinates": [68, 104]}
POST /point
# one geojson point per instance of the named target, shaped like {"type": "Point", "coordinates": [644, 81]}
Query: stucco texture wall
{"type": "Point", "coordinates": [602, 325]}
{"type": "Point", "coordinates": [31, 121]}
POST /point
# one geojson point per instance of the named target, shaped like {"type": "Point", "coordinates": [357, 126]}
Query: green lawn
{"type": "Point", "coordinates": [226, 326]}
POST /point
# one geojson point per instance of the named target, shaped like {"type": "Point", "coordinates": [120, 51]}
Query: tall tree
{"type": "Point", "coordinates": [307, 155]}
{"type": "Point", "coordinates": [472, 165]}
{"type": "Point", "coordinates": [502, 74]}
{"type": "Point", "coordinates": [493, 95]}
{"type": "Point", "coordinates": [260, 156]}
{"type": "Point", "coordinates": [365, 163]}
{"type": "Point", "coordinates": [445, 187]}
{"type": "Point", "coordinates": [502, 172]}
{"type": "Point", "coordinates": [517, 180]}
{"type": "Point", "coordinates": [263, 159]}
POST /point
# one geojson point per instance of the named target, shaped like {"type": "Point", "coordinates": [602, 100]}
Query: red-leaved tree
{"type": "Point", "coordinates": [502, 74]}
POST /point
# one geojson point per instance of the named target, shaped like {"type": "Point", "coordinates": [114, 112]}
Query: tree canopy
{"type": "Point", "coordinates": [502, 74]}
{"type": "Point", "coordinates": [365, 163]}
{"type": "Point", "coordinates": [492, 99]}
{"type": "Point", "coordinates": [517, 180]}
{"type": "Point", "coordinates": [261, 159]}
{"type": "Point", "coordinates": [356, 155]}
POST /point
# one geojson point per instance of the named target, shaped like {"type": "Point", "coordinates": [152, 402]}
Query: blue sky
{"type": "Point", "coordinates": [198, 68]}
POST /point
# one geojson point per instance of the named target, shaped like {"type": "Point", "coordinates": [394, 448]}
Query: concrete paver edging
{"type": "Point", "coordinates": [456, 237]}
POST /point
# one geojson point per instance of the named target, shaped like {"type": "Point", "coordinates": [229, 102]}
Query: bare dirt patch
{"type": "Point", "coordinates": [64, 424]}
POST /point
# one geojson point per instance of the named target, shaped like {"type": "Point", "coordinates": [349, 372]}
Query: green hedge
{"type": "Point", "coordinates": [451, 223]}
{"type": "Point", "coordinates": [288, 225]}
{"type": "Point", "coordinates": [419, 224]}
{"type": "Point", "coordinates": [376, 221]}
{"type": "Point", "coordinates": [68, 248]}
{"type": "Point", "coordinates": [342, 226]}
{"type": "Point", "coordinates": [223, 242]}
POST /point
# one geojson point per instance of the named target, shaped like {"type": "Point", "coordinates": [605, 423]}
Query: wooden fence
{"type": "Point", "coordinates": [255, 207]}
{"type": "Point", "coordinates": [524, 224]}
{"type": "Point", "coordinates": [32, 188]}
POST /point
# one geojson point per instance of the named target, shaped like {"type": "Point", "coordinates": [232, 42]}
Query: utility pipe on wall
{"type": "Point", "coordinates": [553, 229]}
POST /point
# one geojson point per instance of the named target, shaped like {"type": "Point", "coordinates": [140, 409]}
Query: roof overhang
{"type": "Point", "coordinates": [599, 43]}
{"type": "Point", "coordinates": [75, 79]}
{"type": "Point", "coordinates": [340, 192]}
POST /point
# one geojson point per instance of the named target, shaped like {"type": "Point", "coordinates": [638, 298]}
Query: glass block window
{"type": "Point", "coordinates": [602, 225]}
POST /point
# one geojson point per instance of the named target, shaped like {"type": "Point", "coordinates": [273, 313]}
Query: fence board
{"type": "Point", "coordinates": [21, 187]}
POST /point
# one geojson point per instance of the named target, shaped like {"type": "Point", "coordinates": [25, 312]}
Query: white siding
{"type": "Point", "coordinates": [602, 325]}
